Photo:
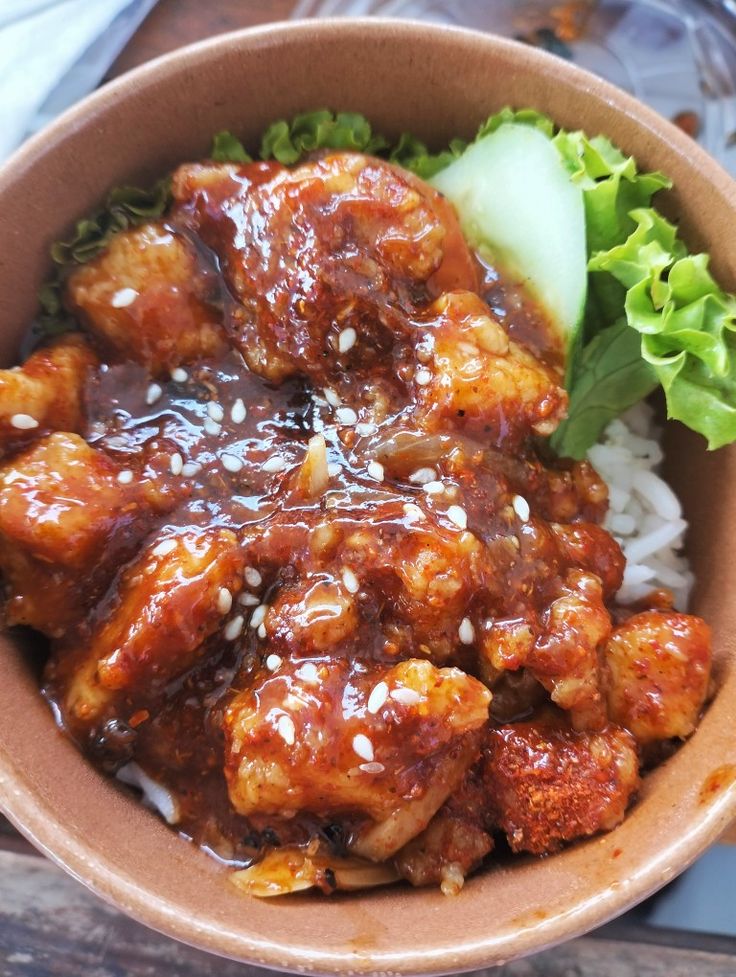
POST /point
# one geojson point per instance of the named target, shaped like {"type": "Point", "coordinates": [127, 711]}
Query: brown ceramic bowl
{"type": "Point", "coordinates": [439, 83]}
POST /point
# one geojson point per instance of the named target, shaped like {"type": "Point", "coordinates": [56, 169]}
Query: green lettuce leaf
{"type": "Point", "coordinates": [227, 149]}
{"type": "Point", "coordinates": [612, 377]}
{"type": "Point", "coordinates": [525, 117]}
{"type": "Point", "coordinates": [124, 207]}
{"type": "Point", "coordinates": [412, 154]}
{"type": "Point", "coordinates": [287, 142]}
{"type": "Point", "coordinates": [654, 313]}
{"type": "Point", "coordinates": [685, 322]}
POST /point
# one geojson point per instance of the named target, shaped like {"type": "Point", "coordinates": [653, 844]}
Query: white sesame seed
{"type": "Point", "coordinates": [434, 488]}
{"type": "Point", "coordinates": [405, 697]}
{"type": "Point", "coordinates": [346, 340]}
{"type": "Point", "coordinates": [346, 415]}
{"type": "Point", "coordinates": [331, 397]}
{"type": "Point", "coordinates": [378, 696]}
{"type": "Point", "coordinates": [252, 577]}
{"type": "Point", "coordinates": [334, 468]}
{"type": "Point", "coordinates": [190, 469]}
{"type": "Point", "coordinates": [458, 515]}
{"type": "Point", "coordinates": [123, 297]}
{"type": "Point", "coordinates": [363, 746]}
{"type": "Point", "coordinates": [125, 477]}
{"type": "Point", "coordinates": [230, 463]}
{"type": "Point", "coordinates": [287, 730]}
{"type": "Point", "coordinates": [176, 463]}
{"type": "Point", "coordinates": [224, 600]}
{"type": "Point", "coordinates": [258, 615]}
{"type": "Point", "coordinates": [423, 476]}
{"type": "Point", "coordinates": [308, 673]}
{"type": "Point", "coordinates": [215, 411]}
{"type": "Point", "coordinates": [375, 470]}
{"type": "Point", "coordinates": [249, 600]}
{"type": "Point", "coordinates": [164, 547]}
{"type": "Point", "coordinates": [351, 582]}
{"type": "Point", "coordinates": [521, 507]}
{"type": "Point", "coordinates": [179, 375]}
{"type": "Point", "coordinates": [422, 377]}
{"type": "Point", "coordinates": [23, 422]}
{"type": "Point", "coordinates": [466, 631]}
{"type": "Point", "coordinates": [274, 464]}
{"type": "Point", "coordinates": [413, 512]}
{"type": "Point", "coordinates": [273, 662]}
{"type": "Point", "coordinates": [365, 429]}
{"type": "Point", "coordinates": [233, 628]}
{"type": "Point", "coordinates": [372, 767]}
{"type": "Point", "coordinates": [238, 411]}
{"type": "Point", "coordinates": [153, 393]}
{"type": "Point", "coordinates": [212, 427]}
{"type": "Point", "coordinates": [261, 631]}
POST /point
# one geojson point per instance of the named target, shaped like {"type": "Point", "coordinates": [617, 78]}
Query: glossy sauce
{"type": "Point", "coordinates": [321, 527]}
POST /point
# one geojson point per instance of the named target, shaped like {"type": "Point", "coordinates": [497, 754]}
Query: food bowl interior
{"type": "Point", "coordinates": [438, 83]}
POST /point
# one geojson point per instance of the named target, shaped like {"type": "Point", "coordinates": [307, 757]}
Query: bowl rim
{"type": "Point", "coordinates": [22, 803]}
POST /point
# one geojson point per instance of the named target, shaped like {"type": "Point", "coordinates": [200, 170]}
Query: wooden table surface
{"type": "Point", "coordinates": [51, 926]}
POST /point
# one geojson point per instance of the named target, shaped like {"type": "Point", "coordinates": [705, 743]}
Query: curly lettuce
{"type": "Point", "coordinates": [654, 315]}
{"type": "Point", "coordinates": [124, 207]}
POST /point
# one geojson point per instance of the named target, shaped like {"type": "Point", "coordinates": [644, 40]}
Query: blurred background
{"type": "Point", "coordinates": [677, 55]}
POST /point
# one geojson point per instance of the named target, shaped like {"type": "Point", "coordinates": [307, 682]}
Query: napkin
{"type": "Point", "coordinates": [52, 52]}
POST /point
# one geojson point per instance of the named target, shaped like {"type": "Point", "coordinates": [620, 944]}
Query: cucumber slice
{"type": "Point", "coordinates": [517, 204]}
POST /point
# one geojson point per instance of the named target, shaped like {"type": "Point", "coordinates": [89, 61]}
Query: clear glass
{"type": "Point", "coordinates": [679, 56]}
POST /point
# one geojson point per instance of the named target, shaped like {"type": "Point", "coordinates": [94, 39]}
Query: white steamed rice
{"type": "Point", "coordinates": [645, 515]}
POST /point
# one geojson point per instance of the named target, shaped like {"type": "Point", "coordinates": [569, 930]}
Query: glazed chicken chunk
{"type": "Point", "coordinates": [454, 843]}
{"type": "Point", "coordinates": [474, 377]}
{"type": "Point", "coordinates": [328, 736]}
{"type": "Point", "coordinates": [659, 667]}
{"type": "Point", "coordinates": [169, 601]}
{"type": "Point", "coordinates": [64, 516]}
{"type": "Point", "coordinates": [312, 578]}
{"type": "Point", "coordinates": [46, 393]}
{"type": "Point", "coordinates": [144, 299]}
{"type": "Point", "coordinates": [345, 242]}
{"type": "Point", "coordinates": [548, 784]}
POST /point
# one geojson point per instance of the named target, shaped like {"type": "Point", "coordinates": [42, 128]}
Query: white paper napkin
{"type": "Point", "coordinates": [54, 51]}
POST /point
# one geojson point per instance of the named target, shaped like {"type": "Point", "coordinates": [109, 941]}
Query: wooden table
{"type": "Point", "coordinates": [51, 926]}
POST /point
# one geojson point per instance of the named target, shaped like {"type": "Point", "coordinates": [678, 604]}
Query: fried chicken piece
{"type": "Point", "coordinates": [345, 241]}
{"type": "Point", "coordinates": [168, 602]}
{"type": "Point", "coordinates": [312, 617]}
{"type": "Point", "coordinates": [46, 393]}
{"type": "Point", "coordinates": [454, 843]}
{"type": "Point", "coordinates": [592, 548]}
{"type": "Point", "coordinates": [65, 523]}
{"type": "Point", "coordinates": [659, 667]}
{"type": "Point", "coordinates": [145, 299]}
{"type": "Point", "coordinates": [447, 851]}
{"type": "Point", "coordinates": [330, 736]}
{"type": "Point", "coordinates": [566, 658]}
{"type": "Point", "coordinates": [409, 580]}
{"type": "Point", "coordinates": [561, 648]}
{"type": "Point", "coordinates": [474, 378]}
{"type": "Point", "coordinates": [548, 784]}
